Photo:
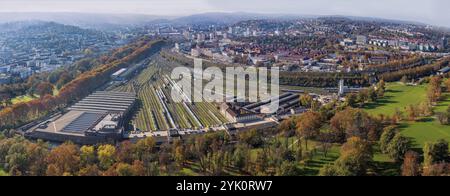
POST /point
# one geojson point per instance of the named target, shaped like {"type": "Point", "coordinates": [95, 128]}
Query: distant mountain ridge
{"type": "Point", "coordinates": [92, 20]}
{"type": "Point", "coordinates": [229, 18]}
{"type": "Point", "coordinates": [87, 20]}
{"type": "Point", "coordinates": [41, 26]}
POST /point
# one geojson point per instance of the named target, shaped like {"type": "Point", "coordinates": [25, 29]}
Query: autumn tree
{"type": "Point", "coordinates": [435, 152]}
{"type": "Point", "coordinates": [398, 147]}
{"type": "Point", "coordinates": [106, 156]}
{"type": "Point", "coordinates": [180, 155]}
{"type": "Point", "coordinates": [412, 112]}
{"type": "Point", "coordinates": [288, 169]}
{"type": "Point", "coordinates": [17, 159]}
{"type": "Point", "coordinates": [440, 169]}
{"type": "Point", "coordinates": [37, 152]}
{"type": "Point", "coordinates": [240, 156]}
{"type": "Point", "coordinates": [434, 92]}
{"type": "Point", "coordinates": [124, 169]}
{"type": "Point", "coordinates": [308, 126]}
{"type": "Point", "coordinates": [372, 94]}
{"type": "Point", "coordinates": [351, 100]}
{"type": "Point", "coordinates": [218, 163]}
{"type": "Point", "coordinates": [306, 100]}
{"type": "Point", "coordinates": [201, 151]}
{"type": "Point", "coordinates": [125, 153]}
{"type": "Point", "coordinates": [63, 160]}
{"type": "Point", "coordinates": [426, 109]}
{"type": "Point", "coordinates": [253, 138]}
{"type": "Point", "coordinates": [444, 117]}
{"type": "Point", "coordinates": [288, 127]}
{"type": "Point", "coordinates": [356, 154]}
{"type": "Point", "coordinates": [89, 170]}
{"type": "Point", "coordinates": [144, 149]}
{"type": "Point", "coordinates": [388, 134]}
{"type": "Point", "coordinates": [63, 80]}
{"type": "Point", "coordinates": [261, 162]}
{"type": "Point", "coordinates": [353, 123]}
{"type": "Point", "coordinates": [44, 88]}
{"type": "Point", "coordinates": [138, 168]}
{"type": "Point", "coordinates": [447, 84]}
{"type": "Point", "coordinates": [87, 155]}
{"type": "Point", "coordinates": [411, 166]}
{"type": "Point", "coordinates": [397, 116]}
{"type": "Point", "coordinates": [165, 158]}
{"type": "Point", "coordinates": [380, 88]}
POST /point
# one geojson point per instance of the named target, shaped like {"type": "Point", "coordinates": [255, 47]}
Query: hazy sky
{"type": "Point", "coordinates": [429, 11]}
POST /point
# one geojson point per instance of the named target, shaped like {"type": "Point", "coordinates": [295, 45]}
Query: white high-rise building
{"type": "Point", "coordinates": [341, 88]}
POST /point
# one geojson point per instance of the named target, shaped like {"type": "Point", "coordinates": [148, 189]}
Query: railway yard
{"type": "Point", "coordinates": [158, 111]}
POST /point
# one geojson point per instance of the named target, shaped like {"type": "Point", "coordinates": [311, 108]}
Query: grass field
{"type": "Point", "coordinates": [27, 98]}
{"type": "Point", "coordinates": [426, 130]}
{"type": "Point", "coordinates": [443, 105]}
{"type": "Point", "coordinates": [22, 99]}
{"type": "Point", "coordinates": [382, 164]}
{"type": "Point", "coordinates": [399, 96]}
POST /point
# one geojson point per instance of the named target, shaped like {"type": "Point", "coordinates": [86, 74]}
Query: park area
{"type": "Point", "coordinates": [28, 98]}
{"type": "Point", "coordinates": [399, 96]}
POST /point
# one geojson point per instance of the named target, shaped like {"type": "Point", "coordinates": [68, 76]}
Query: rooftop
{"type": "Point", "coordinates": [106, 101]}
{"type": "Point", "coordinates": [444, 70]}
{"type": "Point", "coordinates": [100, 110]}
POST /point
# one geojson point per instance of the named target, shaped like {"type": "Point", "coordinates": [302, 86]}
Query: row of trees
{"type": "Point", "coordinates": [414, 72]}
{"type": "Point", "coordinates": [322, 79]}
{"type": "Point", "coordinates": [396, 65]}
{"type": "Point", "coordinates": [435, 94]}
{"type": "Point", "coordinates": [22, 157]}
{"type": "Point", "coordinates": [313, 79]}
{"type": "Point", "coordinates": [434, 91]}
{"type": "Point", "coordinates": [213, 153]}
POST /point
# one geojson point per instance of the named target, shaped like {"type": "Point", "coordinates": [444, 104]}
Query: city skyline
{"type": "Point", "coordinates": [419, 11]}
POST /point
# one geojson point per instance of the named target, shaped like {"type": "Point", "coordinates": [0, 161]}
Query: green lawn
{"type": "Point", "coordinates": [313, 166]}
{"type": "Point", "coordinates": [399, 96]}
{"type": "Point", "coordinates": [428, 129]}
{"type": "Point", "coordinates": [22, 99]}
{"type": "Point", "coordinates": [443, 105]}
{"type": "Point", "coordinates": [382, 164]}
{"type": "Point", "coordinates": [27, 98]}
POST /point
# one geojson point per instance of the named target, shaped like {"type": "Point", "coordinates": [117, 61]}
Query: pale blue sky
{"type": "Point", "coordinates": [429, 11]}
